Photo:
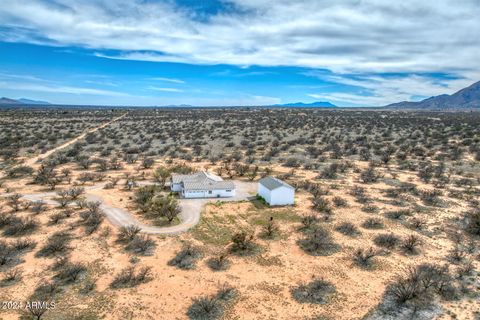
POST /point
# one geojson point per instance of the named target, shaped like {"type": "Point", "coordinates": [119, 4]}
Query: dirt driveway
{"type": "Point", "coordinates": [189, 215]}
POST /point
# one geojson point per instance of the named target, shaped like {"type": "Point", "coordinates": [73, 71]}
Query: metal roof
{"type": "Point", "coordinates": [272, 183]}
{"type": "Point", "coordinates": [202, 181]}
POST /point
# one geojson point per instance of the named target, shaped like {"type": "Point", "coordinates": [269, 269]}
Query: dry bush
{"type": "Point", "coordinates": [186, 258]}
{"type": "Point", "coordinates": [387, 240]}
{"type": "Point", "coordinates": [364, 258]}
{"type": "Point", "coordinates": [318, 291]}
{"type": "Point", "coordinates": [318, 242]}
{"type": "Point", "coordinates": [131, 277]}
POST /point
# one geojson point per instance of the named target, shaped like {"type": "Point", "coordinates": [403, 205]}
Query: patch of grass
{"type": "Point", "coordinates": [210, 231]}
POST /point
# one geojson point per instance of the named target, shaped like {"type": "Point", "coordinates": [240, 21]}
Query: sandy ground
{"type": "Point", "coordinates": [263, 281]}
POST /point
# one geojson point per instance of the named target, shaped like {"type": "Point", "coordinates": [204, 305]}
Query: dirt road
{"type": "Point", "coordinates": [31, 161]}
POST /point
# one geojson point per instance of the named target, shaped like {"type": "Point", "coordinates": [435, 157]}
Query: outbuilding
{"type": "Point", "coordinates": [276, 192]}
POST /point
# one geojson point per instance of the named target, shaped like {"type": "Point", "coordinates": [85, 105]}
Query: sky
{"type": "Point", "coordinates": [237, 52]}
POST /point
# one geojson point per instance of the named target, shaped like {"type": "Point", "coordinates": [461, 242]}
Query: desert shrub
{"type": "Point", "coordinates": [20, 171]}
{"type": "Point", "coordinates": [93, 206]}
{"type": "Point", "coordinates": [398, 214]}
{"type": "Point", "coordinates": [5, 219]}
{"type": "Point", "coordinates": [387, 240]}
{"type": "Point", "coordinates": [319, 242]}
{"type": "Point", "coordinates": [75, 192]}
{"type": "Point", "coordinates": [322, 204]}
{"type": "Point", "coordinates": [430, 197]}
{"type": "Point", "coordinates": [63, 198]}
{"type": "Point", "coordinates": [211, 308]}
{"type": "Point", "coordinates": [418, 285]}
{"type": "Point", "coordinates": [243, 244]}
{"type": "Point", "coordinates": [56, 218]}
{"type": "Point", "coordinates": [360, 194]}
{"type": "Point", "coordinates": [457, 255]}
{"type": "Point", "coordinates": [318, 291]}
{"type": "Point", "coordinates": [88, 287]}
{"type": "Point", "coordinates": [410, 244]}
{"type": "Point", "coordinates": [364, 258]}
{"type": "Point", "coordinates": [226, 293]}
{"type": "Point", "coordinates": [131, 277]}
{"type": "Point", "coordinates": [127, 233]}
{"type": "Point", "coordinates": [24, 244]}
{"type": "Point", "coordinates": [143, 196]}
{"type": "Point", "coordinates": [70, 272]}
{"type": "Point", "coordinates": [330, 172]}
{"type": "Point", "coordinates": [45, 292]}
{"type": "Point", "coordinates": [348, 229]}
{"type": "Point", "coordinates": [57, 244]}
{"type": "Point", "coordinates": [186, 258]}
{"type": "Point", "coordinates": [20, 226]}
{"type": "Point", "coordinates": [14, 201]}
{"type": "Point", "coordinates": [141, 244]}
{"type": "Point", "coordinates": [473, 222]}
{"type": "Point", "coordinates": [11, 276]}
{"type": "Point", "coordinates": [309, 222]}
{"type": "Point", "coordinates": [219, 262]}
{"type": "Point", "coordinates": [38, 207]}
{"type": "Point", "coordinates": [270, 230]}
{"type": "Point", "coordinates": [205, 308]}
{"type": "Point", "coordinates": [91, 219]}
{"type": "Point", "coordinates": [370, 208]}
{"type": "Point", "coordinates": [417, 223]}
{"type": "Point", "coordinates": [7, 254]}
{"type": "Point", "coordinates": [370, 175]}
{"type": "Point", "coordinates": [340, 202]}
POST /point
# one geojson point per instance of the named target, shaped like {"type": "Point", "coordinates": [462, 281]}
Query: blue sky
{"type": "Point", "coordinates": [249, 52]}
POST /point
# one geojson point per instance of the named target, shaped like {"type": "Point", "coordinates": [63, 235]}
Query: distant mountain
{"type": "Point", "coordinates": [7, 101]}
{"type": "Point", "coordinates": [467, 98]}
{"type": "Point", "coordinates": [317, 104]}
{"type": "Point", "coordinates": [28, 101]}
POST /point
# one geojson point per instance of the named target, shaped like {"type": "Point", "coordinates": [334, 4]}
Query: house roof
{"type": "Point", "coordinates": [202, 181]}
{"type": "Point", "coordinates": [272, 183]}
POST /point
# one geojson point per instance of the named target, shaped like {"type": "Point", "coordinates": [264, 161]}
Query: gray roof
{"type": "Point", "coordinates": [202, 181]}
{"type": "Point", "coordinates": [272, 183]}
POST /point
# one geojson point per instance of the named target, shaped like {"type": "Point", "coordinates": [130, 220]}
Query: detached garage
{"type": "Point", "coordinates": [276, 192]}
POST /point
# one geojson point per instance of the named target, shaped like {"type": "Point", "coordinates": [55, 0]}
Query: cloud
{"type": "Point", "coordinates": [379, 90]}
{"type": "Point", "coordinates": [349, 36]}
{"type": "Point", "coordinates": [61, 89]}
{"type": "Point", "coordinates": [358, 41]}
{"type": "Point", "coordinates": [172, 80]}
{"type": "Point", "coordinates": [165, 89]}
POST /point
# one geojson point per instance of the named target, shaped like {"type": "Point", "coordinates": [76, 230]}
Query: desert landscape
{"type": "Point", "coordinates": [385, 224]}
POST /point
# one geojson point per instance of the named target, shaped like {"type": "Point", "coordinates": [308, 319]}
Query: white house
{"type": "Point", "coordinates": [276, 192]}
{"type": "Point", "coordinates": [202, 185]}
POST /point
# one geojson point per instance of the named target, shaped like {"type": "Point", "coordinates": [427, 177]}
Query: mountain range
{"type": "Point", "coordinates": [467, 98]}
{"type": "Point", "coordinates": [317, 104]}
{"type": "Point", "coordinates": [21, 101]}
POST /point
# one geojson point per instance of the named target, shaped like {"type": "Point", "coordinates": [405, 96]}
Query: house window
{"type": "Point", "coordinates": [228, 190]}
{"type": "Point", "coordinates": [209, 191]}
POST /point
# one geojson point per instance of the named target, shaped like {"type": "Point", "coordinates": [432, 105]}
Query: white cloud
{"type": "Point", "coordinates": [172, 80]}
{"type": "Point", "coordinates": [348, 37]}
{"type": "Point", "coordinates": [165, 89]}
{"type": "Point", "coordinates": [376, 90]}
{"type": "Point", "coordinates": [343, 36]}
{"type": "Point", "coordinates": [61, 89]}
